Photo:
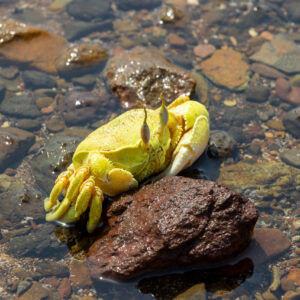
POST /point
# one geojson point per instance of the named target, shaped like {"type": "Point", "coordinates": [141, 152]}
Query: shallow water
{"type": "Point", "coordinates": [252, 106]}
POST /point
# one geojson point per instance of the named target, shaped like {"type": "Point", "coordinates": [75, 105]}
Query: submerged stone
{"type": "Point", "coordinates": [81, 58]}
{"type": "Point", "coordinates": [55, 156]}
{"type": "Point", "coordinates": [88, 10]}
{"type": "Point", "coordinates": [31, 45]}
{"type": "Point", "coordinates": [137, 4]}
{"type": "Point", "coordinates": [268, 179]}
{"type": "Point", "coordinates": [288, 92]}
{"type": "Point", "coordinates": [145, 74]}
{"type": "Point", "coordinates": [291, 157]}
{"type": "Point", "coordinates": [175, 221]}
{"type": "Point", "coordinates": [291, 121]}
{"type": "Point", "coordinates": [83, 107]}
{"type": "Point", "coordinates": [20, 106]}
{"type": "Point", "coordinates": [227, 68]}
{"type": "Point", "coordinates": [281, 53]}
{"type": "Point", "coordinates": [14, 144]}
{"type": "Point", "coordinates": [23, 202]}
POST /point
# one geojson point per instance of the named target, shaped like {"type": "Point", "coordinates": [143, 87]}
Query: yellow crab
{"type": "Point", "coordinates": [128, 149]}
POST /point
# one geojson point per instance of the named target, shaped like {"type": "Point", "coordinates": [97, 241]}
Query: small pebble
{"type": "Point", "coordinates": [47, 110]}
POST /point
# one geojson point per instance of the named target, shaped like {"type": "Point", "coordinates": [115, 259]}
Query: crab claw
{"type": "Point", "coordinates": [81, 193]}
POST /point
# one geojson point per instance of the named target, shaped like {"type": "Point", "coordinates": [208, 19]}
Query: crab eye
{"type": "Point", "coordinates": [145, 133]}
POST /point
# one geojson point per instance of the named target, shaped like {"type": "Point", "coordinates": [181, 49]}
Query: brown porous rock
{"type": "Point", "coordinates": [175, 221]}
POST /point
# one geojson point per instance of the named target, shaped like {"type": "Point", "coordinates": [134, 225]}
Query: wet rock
{"type": "Point", "coordinates": [170, 14]}
{"type": "Point", "coordinates": [77, 29]}
{"type": "Point", "coordinates": [292, 7]}
{"type": "Point", "coordinates": [37, 80]}
{"type": "Point", "coordinates": [266, 179]}
{"type": "Point", "coordinates": [201, 88]}
{"type": "Point", "coordinates": [276, 124]}
{"type": "Point", "coordinates": [176, 220]}
{"type": "Point", "coordinates": [28, 124]}
{"type": "Point", "coordinates": [266, 71]}
{"type": "Point", "coordinates": [136, 4]}
{"type": "Point", "coordinates": [29, 15]}
{"type": "Point", "coordinates": [14, 144]}
{"type": "Point", "coordinates": [38, 243]}
{"type": "Point", "coordinates": [291, 157]}
{"type": "Point", "coordinates": [79, 275]}
{"type": "Point", "coordinates": [124, 26]}
{"type": "Point", "coordinates": [82, 107]}
{"type": "Point", "coordinates": [2, 90]}
{"type": "Point", "coordinates": [288, 92]}
{"type": "Point", "coordinates": [59, 4]}
{"type": "Point", "coordinates": [236, 116]}
{"type": "Point", "coordinates": [281, 53]}
{"type": "Point", "coordinates": [145, 74]}
{"type": "Point", "coordinates": [295, 80]}
{"type": "Point", "coordinates": [31, 45]}
{"type": "Point", "coordinates": [81, 58]}
{"type": "Point", "coordinates": [87, 81]}
{"type": "Point", "coordinates": [204, 51]}
{"type": "Point", "coordinates": [55, 124]}
{"type": "Point", "coordinates": [90, 9]}
{"type": "Point", "coordinates": [237, 133]}
{"type": "Point", "coordinates": [291, 121]}
{"type": "Point", "coordinates": [65, 289]}
{"type": "Point", "coordinates": [175, 40]}
{"type": "Point", "coordinates": [290, 295]}
{"type": "Point", "coordinates": [257, 93]}
{"type": "Point", "coordinates": [46, 268]}
{"type": "Point", "coordinates": [21, 106]}
{"type": "Point", "coordinates": [287, 284]}
{"type": "Point", "coordinates": [53, 158]}
{"type": "Point", "coordinates": [24, 201]}
{"type": "Point", "coordinates": [227, 68]}
{"type": "Point", "coordinates": [267, 243]}
{"type": "Point", "coordinates": [266, 112]}
{"type": "Point", "coordinates": [9, 73]}
{"type": "Point", "coordinates": [294, 275]}
{"type": "Point", "coordinates": [213, 280]}
{"type": "Point", "coordinates": [44, 102]}
{"type": "Point", "coordinates": [255, 147]}
{"type": "Point", "coordinates": [37, 292]}
{"type": "Point", "coordinates": [221, 144]}
{"type": "Point", "coordinates": [23, 286]}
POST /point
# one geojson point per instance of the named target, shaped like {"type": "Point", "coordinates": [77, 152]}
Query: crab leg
{"type": "Point", "coordinates": [61, 182]}
{"type": "Point", "coordinates": [83, 199]}
{"type": "Point", "coordinates": [95, 210]}
{"type": "Point", "coordinates": [80, 175]}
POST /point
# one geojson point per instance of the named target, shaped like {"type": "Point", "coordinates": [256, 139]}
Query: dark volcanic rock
{"type": "Point", "coordinates": [175, 221]}
{"type": "Point", "coordinates": [82, 107]}
{"type": "Point", "coordinates": [145, 74]}
{"type": "Point", "coordinates": [14, 144]}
